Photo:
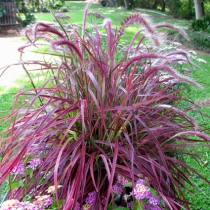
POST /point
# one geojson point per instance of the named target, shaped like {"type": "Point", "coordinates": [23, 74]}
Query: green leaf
{"type": "Point", "coordinates": [128, 184]}
{"type": "Point", "coordinates": [137, 206]}
{"type": "Point", "coordinates": [54, 204]}
{"type": "Point", "coordinates": [1, 14]}
{"type": "Point", "coordinates": [30, 172]}
{"type": "Point", "coordinates": [110, 206]}
{"type": "Point", "coordinates": [14, 184]}
{"type": "Point", "coordinates": [153, 191]}
{"type": "Point", "coordinates": [121, 208]}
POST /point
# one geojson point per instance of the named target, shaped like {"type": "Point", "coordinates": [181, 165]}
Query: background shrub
{"type": "Point", "coordinates": [202, 24]}
{"type": "Point", "coordinates": [197, 40]}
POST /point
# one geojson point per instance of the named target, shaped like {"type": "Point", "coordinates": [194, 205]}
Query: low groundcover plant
{"type": "Point", "coordinates": [107, 108]}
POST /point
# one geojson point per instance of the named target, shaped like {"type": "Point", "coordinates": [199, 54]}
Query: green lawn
{"type": "Point", "coordinates": [200, 196]}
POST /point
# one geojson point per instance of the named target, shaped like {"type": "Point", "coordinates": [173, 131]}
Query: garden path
{"type": "Point", "coordinates": [10, 41]}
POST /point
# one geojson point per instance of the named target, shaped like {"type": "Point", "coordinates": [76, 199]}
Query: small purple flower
{"type": "Point", "coordinates": [8, 204]}
{"type": "Point", "coordinates": [33, 163]}
{"type": "Point", "coordinates": [117, 189]}
{"type": "Point", "coordinates": [130, 205]}
{"type": "Point", "coordinates": [155, 208]}
{"type": "Point", "coordinates": [29, 206]}
{"type": "Point", "coordinates": [42, 201]}
{"type": "Point", "coordinates": [103, 201]}
{"type": "Point", "coordinates": [77, 206]}
{"type": "Point", "coordinates": [154, 200]}
{"type": "Point", "coordinates": [48, 201]}
{"type": "Point", "coordinates": [39, 204]}
{"type": "Point", "coordinates": [18, 169]}
{"type": "Point", "coordinates": [146, 206]}
{"type": "Point", "coordinates": [140, 181]}
{"type": "Point", "coordinates": [141, 191]}
{"type": "Point", "coordinates": [91, 198]}
{"type": "Point", "coordinates": [121, 180]}
{"type": "Point", "coordinates": [126, 197]}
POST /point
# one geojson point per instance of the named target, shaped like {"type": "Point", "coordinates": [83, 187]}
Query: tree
{"type": "Point", "coordinates": [126, 2]}
{"type": "Point", "coordinates": [161, 3]}
{"type": "Point", "coordinates": [129, 4]}
{"type": "Point", "coordinates": [199, 11]}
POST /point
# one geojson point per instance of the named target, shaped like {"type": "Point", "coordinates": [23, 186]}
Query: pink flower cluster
{"type": "Point", "coordinates": [142, 192]}
{"type": "Point", "coordinates": [117, 189]}
{"type": "Point", "coordinates": [88, 202]}
{"type": "Point", "coordinates": [91, 198]}
{"type": "Point", "coordinates": [20, 168]}
{"type": "Point", "coordinates": [40, 203]}
{"type": "Point", "coordinates": [121, 180]}
{"type": "Point", "coordinates": [33, 163]}
{"type": "Point", "coordinates": [43, 201]}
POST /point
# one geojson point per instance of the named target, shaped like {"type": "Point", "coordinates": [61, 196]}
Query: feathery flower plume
{"type": "Point", "coordinates": [143, 21]}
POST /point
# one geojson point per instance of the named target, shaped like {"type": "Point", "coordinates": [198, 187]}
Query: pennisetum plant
{"type": "Point", "coordinates": [104, 109]}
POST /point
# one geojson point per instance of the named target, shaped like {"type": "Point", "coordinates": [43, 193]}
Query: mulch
{"type": "Point", "coordinates": [10, 31]}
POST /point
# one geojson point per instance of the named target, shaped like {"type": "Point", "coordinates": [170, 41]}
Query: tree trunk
{"type": "Point", "coordinates": [163, 9]}
{"type": "Point", "coordinates": [155, 4]}
{"type": "Point", "coordinates": [198, 9]}
{"type": "Point", "coordinates": [126, 2]}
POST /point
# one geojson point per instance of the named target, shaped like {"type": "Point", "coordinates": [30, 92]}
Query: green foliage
{"type": "Point", "coordinates": [44, 9]}
{"type": "Point", "coordinates": [202, 24]}
{"type": "Point", "coordinates": [63, 9]}
{"type": "Point", "coordinates": [29, 18]}
{"type": "Point", "coordinates": [48, 5]}
{"type": "Point", "coordinates": [26, 11]}
{"type": "Point", "coordinates": [23, 9]}
{"type": "Point", "coordinates": [57, 4]}
{"type": "Point", "coordinates": [7, 0]}
{"type": "Point", "coordinates": [174, 7]}
{"type": "Point", "coordinates": [2, 11]}
{"type": "Point", "coordinates": [197, 40]}
{"type": "Point", "coordinates": [186, 10]}
{"type": "Point", "coordinates": [143, 4]}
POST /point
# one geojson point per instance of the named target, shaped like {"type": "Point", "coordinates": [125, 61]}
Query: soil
{"type": "Point", "coordinates": [10, 40]}
{"type": "Point", "coordinates": [10, 31]}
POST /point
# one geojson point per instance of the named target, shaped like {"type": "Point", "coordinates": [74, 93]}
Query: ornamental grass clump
{"type": "Point", "coordinates": [103, 110]}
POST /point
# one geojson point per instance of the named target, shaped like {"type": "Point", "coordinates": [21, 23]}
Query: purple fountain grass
{"type": "Point", "coordinates": [102, 112]}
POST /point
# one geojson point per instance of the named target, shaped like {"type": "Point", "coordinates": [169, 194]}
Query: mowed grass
{"type": "Point", "coordinates": [199, 197]}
